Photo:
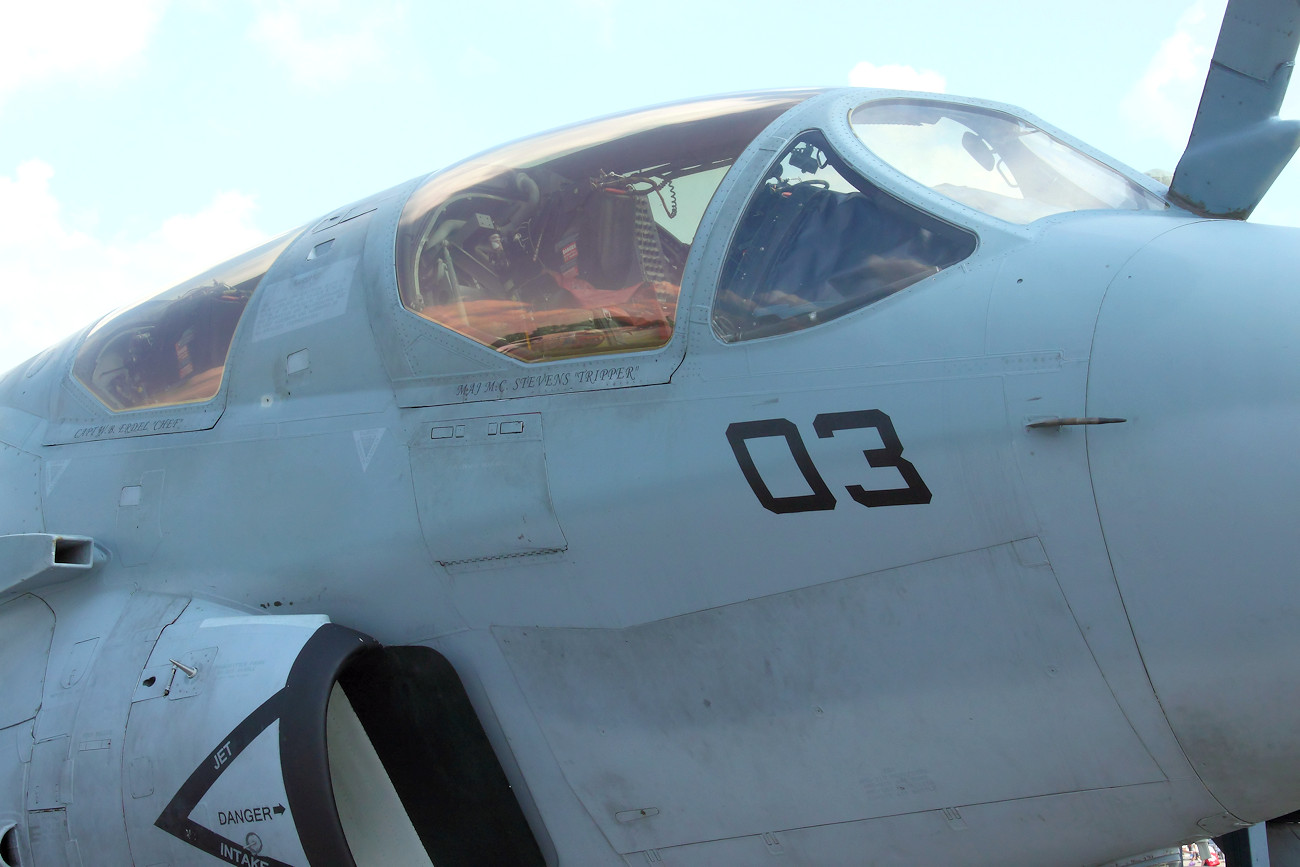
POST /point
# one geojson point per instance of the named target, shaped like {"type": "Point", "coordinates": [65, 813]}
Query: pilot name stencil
{"type": "Point", "coordinates": [545, 380]}
{"type": "Point", "coordinates": [607, 374]}
{"type": "Point", "coordinates": [474, 389]}
{"type": "Point", "coordinates": [542, 382]}
{"type": "Point", "coordinates": [104, 431]}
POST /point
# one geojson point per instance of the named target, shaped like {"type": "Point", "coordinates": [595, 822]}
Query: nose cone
{"type": "Point", "coordinates": [1198, 346]}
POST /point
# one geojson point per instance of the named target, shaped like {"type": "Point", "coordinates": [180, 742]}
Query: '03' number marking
{"type": "Point", "coordinates": [826, 425]}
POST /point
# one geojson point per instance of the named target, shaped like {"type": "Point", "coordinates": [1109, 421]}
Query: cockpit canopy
{"type": "Point", "coordinates": [573, 243]}
{"type": "Point", "coordinates": [171, 349]}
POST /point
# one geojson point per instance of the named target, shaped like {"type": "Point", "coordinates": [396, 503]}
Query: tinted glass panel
{"type": "Point", "coordinates": [572, 243]}
{"type": "Point", "coordinates": [818, 241]}
{"type": "Point", "coordinates": [172, 348]}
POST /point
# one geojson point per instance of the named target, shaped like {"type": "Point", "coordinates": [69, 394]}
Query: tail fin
{"type": "Point", "coordinates": [1238, 146]}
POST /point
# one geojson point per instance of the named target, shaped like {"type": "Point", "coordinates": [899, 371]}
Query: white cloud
{"type": "Point", "coordinates": [72, 38]}
{"type": "Point", "coordinates": [1162, 104]}
{"type": "Point", "coordinates": [896, 77]}
{"type": "Point", "coordinates": [325, 41]}
{"type": "Point", "coordinates": [56, 278]}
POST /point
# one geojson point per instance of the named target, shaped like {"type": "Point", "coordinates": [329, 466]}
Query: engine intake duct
{"type": "Point", "coordinates": [400, 728]}
{"type": "Point", "coordinates": [273, 741]}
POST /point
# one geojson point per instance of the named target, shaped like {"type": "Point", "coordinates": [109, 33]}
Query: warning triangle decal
{"type": "Point", "coordinates": [243, 828]}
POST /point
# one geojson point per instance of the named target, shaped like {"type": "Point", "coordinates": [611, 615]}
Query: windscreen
{"type": "Point", "coordinates": [992, 161]}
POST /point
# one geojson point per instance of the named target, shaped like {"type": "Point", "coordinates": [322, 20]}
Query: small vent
{"type": "Point", "coordinates": [74, 552]}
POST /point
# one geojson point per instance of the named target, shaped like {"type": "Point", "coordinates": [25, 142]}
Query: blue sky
{"type": "Point", "coordinates": [144, 140]}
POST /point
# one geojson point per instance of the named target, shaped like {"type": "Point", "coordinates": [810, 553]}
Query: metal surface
{"type": "Point", "coordinates": [894, 585]}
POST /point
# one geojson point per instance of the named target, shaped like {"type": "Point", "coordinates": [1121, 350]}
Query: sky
{"type": "Point", "coordinates": [143, 141]}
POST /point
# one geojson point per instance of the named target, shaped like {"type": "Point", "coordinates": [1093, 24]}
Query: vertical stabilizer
{"type": "Point", "coordinates": [1238, 146]}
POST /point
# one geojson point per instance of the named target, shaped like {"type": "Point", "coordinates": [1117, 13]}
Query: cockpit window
{"type": "Point", "coordinates": [818, 241]}
{"type": "Point", "coordinates": [573, 243]}
{"type": "Point", "coordinates": [172, 348]}
{"type": "Point", "coordinates": [993, 161]}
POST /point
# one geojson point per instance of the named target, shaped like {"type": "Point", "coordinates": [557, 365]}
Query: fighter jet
{"type": "Point", "coordinates": [834, 476]}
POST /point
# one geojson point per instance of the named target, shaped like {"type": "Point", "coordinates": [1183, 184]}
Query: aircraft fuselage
{"type": "Point", "coordinates": [824, 593]}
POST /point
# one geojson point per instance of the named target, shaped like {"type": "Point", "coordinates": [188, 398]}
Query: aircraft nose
{"type": "Point", "coordinates": [1198, 347]}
